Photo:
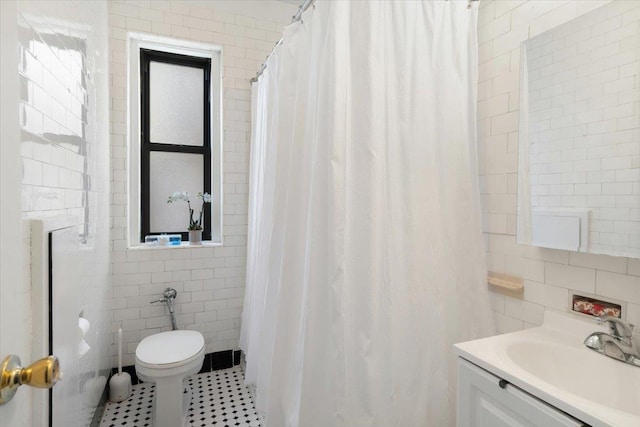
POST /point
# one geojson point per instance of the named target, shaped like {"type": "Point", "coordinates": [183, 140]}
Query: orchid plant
{"type": "Point", "coordinates": [194, 224]}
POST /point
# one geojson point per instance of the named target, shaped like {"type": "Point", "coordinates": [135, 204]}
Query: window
{"type": "Point", "coordinates": [175, 138]}
{"type": "Point", "coordinates": [176, 147]}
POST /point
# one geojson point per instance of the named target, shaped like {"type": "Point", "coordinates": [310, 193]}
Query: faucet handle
{"type": "Point", "coordinates": [617, 327]}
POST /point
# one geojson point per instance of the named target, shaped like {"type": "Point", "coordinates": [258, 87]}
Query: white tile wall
{"type": "Point", "coordinates": [64, 123]}
{"type": "Point", "coordinates": [583, 79]}
{"type": "Point", "coordinates": [550, 275]}
{"type": "Point", "coordinates": [209, 280]}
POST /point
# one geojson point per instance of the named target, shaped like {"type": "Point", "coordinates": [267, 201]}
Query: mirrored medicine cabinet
{"type": "Point", "coordinates": [579, 134]}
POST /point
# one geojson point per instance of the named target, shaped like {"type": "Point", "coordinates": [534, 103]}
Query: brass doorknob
{"type": "Point", "coordinates": [43, 373]}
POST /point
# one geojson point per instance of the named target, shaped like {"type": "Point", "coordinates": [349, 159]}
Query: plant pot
{"type": "Point", "coordinates": [195, 237]}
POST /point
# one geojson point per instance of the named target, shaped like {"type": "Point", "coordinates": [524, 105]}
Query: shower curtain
{"type": "Point", "coordinates": [365, 258]}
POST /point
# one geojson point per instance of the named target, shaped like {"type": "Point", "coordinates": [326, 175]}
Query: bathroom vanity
{"type": "Point", "coordinates": [545, 376]}
{"type": "Point", "coordinates": [487, 400]}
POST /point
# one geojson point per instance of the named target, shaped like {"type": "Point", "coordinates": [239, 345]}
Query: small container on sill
{"type": "Point", "coordinates": [163, 240]}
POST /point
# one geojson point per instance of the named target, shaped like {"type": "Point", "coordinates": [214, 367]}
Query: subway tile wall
{"type": "Point", "coordinates": [550, 275]}
{"type": "Point", "coordinates": [584, 123]}
{"type": "Point", "coordinates": [210, 280]}
{"type": "Point", "coordinates": [64, 140]}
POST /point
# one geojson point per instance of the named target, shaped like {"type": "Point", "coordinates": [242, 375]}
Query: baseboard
{"type": "Point", "coordinates": [99, 412]}
{"type": "Point", "coordinates": [212, 362]}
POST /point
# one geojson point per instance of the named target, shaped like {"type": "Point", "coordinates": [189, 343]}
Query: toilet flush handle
{"type": "Point", "coordinates": [168, 295]}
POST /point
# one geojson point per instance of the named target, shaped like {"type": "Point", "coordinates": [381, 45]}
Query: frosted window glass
{"type": "Point", "coordinates": [176, 104]}
{"type": "Point", "coordinates": [171, 172]}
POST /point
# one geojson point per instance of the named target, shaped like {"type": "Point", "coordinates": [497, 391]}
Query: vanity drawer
{"type": "Point", "coordinates": [484, 400]}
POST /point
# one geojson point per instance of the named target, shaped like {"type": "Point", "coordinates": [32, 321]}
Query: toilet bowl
{"type": "Point", "coordinates": [168, 359]}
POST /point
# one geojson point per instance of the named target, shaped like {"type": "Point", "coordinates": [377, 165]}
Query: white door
{"type": "Point", "coordinates": [15, 312]}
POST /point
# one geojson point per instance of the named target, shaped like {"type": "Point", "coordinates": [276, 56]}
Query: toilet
{"type": "Point", "coordinates": [168, 359]}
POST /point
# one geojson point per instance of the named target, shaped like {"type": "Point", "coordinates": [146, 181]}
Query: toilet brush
{"type": "Point", "coordinates": [120, 383]}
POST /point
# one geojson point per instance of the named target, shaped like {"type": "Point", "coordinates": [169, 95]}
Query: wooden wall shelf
{"type": "Point", "coordinates": [507, 285]}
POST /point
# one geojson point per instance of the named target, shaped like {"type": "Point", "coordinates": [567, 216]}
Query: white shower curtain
{"type": "Point", "coordinates": [365, 258]}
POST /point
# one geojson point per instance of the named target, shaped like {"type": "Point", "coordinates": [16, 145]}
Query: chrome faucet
{"type": "Point", "coordinates": [169, 298]}
{"type": "Point", "coordinates": [619, 343]}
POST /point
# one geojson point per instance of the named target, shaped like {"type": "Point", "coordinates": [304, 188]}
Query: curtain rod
{"type": "Point", "coordinates": [295, 18]}
{"type": "Point", "coordinates": [298, 17]}
{"type": "Point", "coordinates": [469, 3]}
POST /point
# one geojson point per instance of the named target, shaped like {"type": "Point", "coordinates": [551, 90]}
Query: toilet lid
{"type": "Point", "coordinates": [169, 347]}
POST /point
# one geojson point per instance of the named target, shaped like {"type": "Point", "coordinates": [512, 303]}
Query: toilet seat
{"type": "Point", "coordinates": [170, 349]}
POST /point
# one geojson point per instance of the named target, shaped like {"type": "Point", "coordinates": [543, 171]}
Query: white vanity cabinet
{"type": "Point", "coordinates": [484, 400]}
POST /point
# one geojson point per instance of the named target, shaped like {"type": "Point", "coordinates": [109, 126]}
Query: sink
{"type": "Point", "coordinates": [552, 363]}
{"type": "Point", "coordinates": [581, 372]}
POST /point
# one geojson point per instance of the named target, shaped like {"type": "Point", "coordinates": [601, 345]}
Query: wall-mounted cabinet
{"type": "Point", "coordinates": [579, 134]}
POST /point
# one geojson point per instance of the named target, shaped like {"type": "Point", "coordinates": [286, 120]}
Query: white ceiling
{"type": "Point", "coordinates": [279, 11]}
{"type": "Point", "coordinates": [293, 2]}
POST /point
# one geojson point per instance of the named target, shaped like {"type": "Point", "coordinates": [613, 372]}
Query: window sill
{"type": "Point", "coordinates": [183, 245]}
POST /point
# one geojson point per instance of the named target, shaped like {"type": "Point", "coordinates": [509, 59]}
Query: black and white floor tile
{"type": "Point", "coordinates": [220, 399]}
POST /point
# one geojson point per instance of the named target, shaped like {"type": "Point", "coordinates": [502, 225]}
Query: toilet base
{"type": "Point", "coordinates": [169, 411]}
{"type": "Point", "coordinates": [187, 397]}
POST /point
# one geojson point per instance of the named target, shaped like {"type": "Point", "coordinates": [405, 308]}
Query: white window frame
{"type": "Point", "coordinates": [135, 42]}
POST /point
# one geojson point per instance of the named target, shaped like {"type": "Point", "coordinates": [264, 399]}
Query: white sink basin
{"type": "Point", "coordinates": [551, 363]}
{"type": "Point", "coordinates": [581, 372]}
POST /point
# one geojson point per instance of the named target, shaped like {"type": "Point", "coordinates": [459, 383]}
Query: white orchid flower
{"type": "Point", "coordinates": [206, 197]}
{"type": "Point", "coordinates": [176, 196]}
{"type": "Point", "coordinates": [194, 223]}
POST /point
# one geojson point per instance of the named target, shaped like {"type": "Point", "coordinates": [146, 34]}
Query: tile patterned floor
{"type": "Point", "coordinates": [220, 399]}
